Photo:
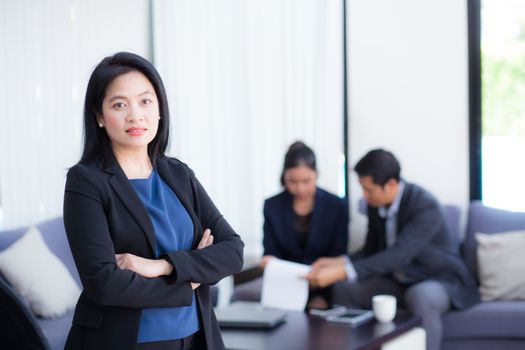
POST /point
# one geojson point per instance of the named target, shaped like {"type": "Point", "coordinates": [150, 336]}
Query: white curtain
{"type": "Point", "coordinates": [48, 50]}
{"type": "Point", "coordinates": [246, 78]}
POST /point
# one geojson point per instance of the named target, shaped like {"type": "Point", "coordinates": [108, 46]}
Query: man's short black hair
{"type": "Point", "coordinates": [380, 165]}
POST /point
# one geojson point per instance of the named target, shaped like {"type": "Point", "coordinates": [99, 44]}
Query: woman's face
{"type": "Point", "coordinates": [301, 181]}
{"type": "Point", "coordinates": [130, 112]}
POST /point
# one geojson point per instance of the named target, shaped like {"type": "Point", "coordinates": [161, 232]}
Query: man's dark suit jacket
{"type": "Point", "coordinates": [103, 216]}
{"type": "Point", "coordinates": [328, 235]}
{"type": "Point", "coordinates": [423, 249]}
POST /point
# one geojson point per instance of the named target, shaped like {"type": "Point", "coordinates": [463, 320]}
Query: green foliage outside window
{"type": "Point", "coordinates": [503, 86]}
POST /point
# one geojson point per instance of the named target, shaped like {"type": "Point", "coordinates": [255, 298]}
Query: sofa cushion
{"type": "Point", "coordinates": [9, 237]}
{"type": "Point", "coordinates": [54, 234]}
{"type": "Point", "coordinates": [487, 220]}
{"type": "Point", "coordinates": [39, 276]}
{"type": "Point", "coordinates": [55, 237]}
{"type": "Point", "coordinates": [491, 319]}
{"type": "Point", "coordinates": [483, 344]}
{"type": "Point", "coordinates": [501, 266]}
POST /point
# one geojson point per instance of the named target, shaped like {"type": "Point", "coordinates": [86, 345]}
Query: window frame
{"type": "Point", "coordinates": [475, 120]}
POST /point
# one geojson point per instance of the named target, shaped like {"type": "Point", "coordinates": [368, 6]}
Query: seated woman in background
{"type": "Point", "coordinates": [302, 223]}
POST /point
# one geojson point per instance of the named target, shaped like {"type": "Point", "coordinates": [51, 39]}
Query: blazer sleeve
{"type": "Point", "coordinates": [270, 242]}
{"type": "Point", "coordinates": [411, 240]}
{"type": "Point", "coordinates": [92, 247]}
{"type": "Point", "coordinates": [223, 258]}
{"type": "Point", "coordinates": [340, 244]}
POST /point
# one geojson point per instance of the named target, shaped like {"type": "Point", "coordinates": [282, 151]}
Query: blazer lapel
{"type": "Point", "coordinates": [120, 184]}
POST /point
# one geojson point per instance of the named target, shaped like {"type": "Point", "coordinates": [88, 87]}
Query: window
{"type": "Point", "coordinates": [502, 103]}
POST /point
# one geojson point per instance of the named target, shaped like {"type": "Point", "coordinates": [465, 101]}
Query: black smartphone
{"type": "Point", "coordinates": [352, 316]}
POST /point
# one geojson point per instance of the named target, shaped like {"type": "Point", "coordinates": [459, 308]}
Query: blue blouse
{"type": "Point", "coordinates": [174, 231]}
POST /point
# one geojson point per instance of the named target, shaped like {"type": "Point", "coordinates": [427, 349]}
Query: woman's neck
{"type": "Point", "coordinates": [135, 164]}
{"type": "Point", "coordinates": [303, 206]}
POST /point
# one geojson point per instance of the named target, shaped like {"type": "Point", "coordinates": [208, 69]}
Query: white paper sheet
{"type": "Point", "coordinates": [284, 286]}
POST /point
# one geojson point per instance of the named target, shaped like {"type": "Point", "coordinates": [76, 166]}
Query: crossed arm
{"type": "Point", "coordinates": [120, 280]}
{"type": "Point", "coordinates": [151, 268]}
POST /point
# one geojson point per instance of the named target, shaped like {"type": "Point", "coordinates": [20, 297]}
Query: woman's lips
{"type": "Point", "coordinates": [136, 131]}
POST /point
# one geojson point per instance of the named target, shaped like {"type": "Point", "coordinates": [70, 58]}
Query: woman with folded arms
{"type": "Point", "coordinates": [146, 238]}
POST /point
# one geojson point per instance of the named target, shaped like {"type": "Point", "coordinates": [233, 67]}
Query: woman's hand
{"type": "Point", "coordinates": [149, 268]}
{"type": "Point", "coordinates": [206, 241]}
{"type": "Point", "coordinates": [264, 261]}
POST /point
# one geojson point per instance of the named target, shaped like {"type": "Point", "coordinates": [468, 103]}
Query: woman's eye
{"type": "Point", "coordinates": [146, 101]}
{"type": "Point", "coordinates": [119, 105]}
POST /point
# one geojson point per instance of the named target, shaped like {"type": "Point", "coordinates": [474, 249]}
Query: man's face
{"type": "Point", "coordinates": [377, 195]}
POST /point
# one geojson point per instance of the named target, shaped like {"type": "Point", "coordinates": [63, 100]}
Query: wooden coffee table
{"type": "Point", "coordinates": [305, 332]}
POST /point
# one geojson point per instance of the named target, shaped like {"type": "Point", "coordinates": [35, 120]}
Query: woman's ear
{"type": "Point", "coordinates": [100, 121]}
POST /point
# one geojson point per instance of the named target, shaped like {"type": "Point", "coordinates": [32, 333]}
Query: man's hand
{"type": "Point", "coordinates": [326, 262]}
{"type": "Point", "coordinates": [326, 276]}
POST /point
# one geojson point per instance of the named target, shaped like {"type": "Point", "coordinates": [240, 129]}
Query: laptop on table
{"type": "Point", "coordinates": [243, 314]}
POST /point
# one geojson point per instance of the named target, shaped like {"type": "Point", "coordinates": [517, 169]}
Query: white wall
{"type": "Point", "coordinates": [48, 50]}
{"type": "Point", "coordinates": [408, 93]}
{"type": "Point", "coordinates": [245, 79]}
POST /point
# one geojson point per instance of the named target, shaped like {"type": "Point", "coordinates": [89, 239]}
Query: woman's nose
{"type": "Point", "coordinates": [135, 114]}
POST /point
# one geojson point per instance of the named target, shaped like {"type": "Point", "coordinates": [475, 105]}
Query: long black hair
{"type": "Point", "coordinates": [97, 145]}
{"type": "Point", "coordinates": [298, 154]}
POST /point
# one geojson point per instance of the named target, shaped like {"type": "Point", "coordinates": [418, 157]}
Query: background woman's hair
{"type": "Point", "coordinates": [97, 145]}
{"type": "Point", "coordinates": [298, 154]}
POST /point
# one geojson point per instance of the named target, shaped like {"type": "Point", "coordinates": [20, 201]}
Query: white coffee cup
{"type": "Point", "coordinates": [384, 307]}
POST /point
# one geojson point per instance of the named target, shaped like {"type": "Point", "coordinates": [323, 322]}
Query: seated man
{"type": "Point", "coordinates": [408, 251]}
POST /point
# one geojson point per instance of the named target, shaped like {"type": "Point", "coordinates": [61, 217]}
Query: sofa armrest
{"type": "Point", "coordinates": [19, 326]}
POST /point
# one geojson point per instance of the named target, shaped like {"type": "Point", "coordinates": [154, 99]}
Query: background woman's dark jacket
{"type": "Point", "coordinates": [328, 234]}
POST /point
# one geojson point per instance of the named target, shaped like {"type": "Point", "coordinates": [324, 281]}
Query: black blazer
{"type": "Point", "coordinates": [328, 235]}
{"type": "Point", "coordinates": [103, 216]}
{"type": "Point", "coordinates": [424, 249]}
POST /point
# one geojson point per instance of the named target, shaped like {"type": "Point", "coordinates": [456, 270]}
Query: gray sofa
{"type": "Point", "coordinates": [19, 327]}
{"type": "Point", "coordinates": [22, 329]}
{"type": "Point", "coordinates": [488, 325]}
